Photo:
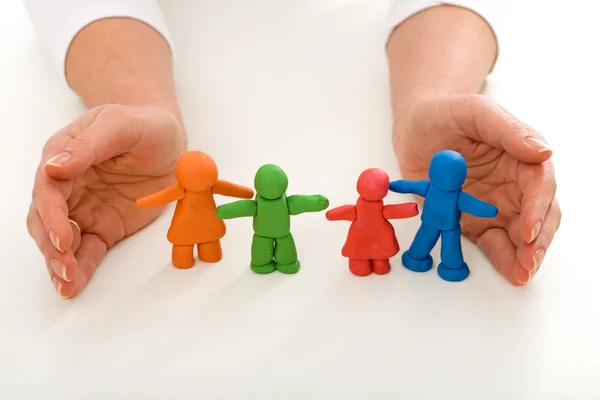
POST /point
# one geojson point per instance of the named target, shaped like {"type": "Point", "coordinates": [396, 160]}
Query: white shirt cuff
{"type": "Point", "coordinates": [59, 21]}
{"type": "Point", "coordinates": [401, 10]}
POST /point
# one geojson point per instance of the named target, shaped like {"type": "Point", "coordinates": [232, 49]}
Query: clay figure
{"type": "Point", "coordinates": [273, 246]}
{"type": "Point", "coordinates": [443, 206]}
{"type": "Point", "coordinates": [371, 240]}
{"type": "Point", "coordinates": [195, 222]}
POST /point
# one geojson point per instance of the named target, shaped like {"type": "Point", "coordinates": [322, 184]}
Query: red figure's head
{"type": "Point", "coordinates": [196, 171]}
{"type": "Point", "coordinates": [373, 184]}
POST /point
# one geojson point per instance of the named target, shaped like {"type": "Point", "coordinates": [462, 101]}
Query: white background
{"type": "Point", "coordinates": [304, 85]}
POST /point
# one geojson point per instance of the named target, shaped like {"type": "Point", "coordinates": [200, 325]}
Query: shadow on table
{"type": "Point", "coordinates": [238, 296]}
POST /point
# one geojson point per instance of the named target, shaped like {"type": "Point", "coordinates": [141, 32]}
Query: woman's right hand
{"type": "Point", "coordinates": [90, 175]}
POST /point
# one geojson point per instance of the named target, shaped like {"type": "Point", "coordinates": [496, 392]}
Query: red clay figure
{"type": "Point", "coordinates": [195, 221]}
{"type": "Point", "coordinates": [371, 239]}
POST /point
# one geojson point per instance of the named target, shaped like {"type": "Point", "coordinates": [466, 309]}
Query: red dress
{"type": "Point", "coordinates": [371, 236]}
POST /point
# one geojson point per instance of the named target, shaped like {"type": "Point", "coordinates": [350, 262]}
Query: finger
{"type": "Point", "coordinates": [498, 248]}
{"type": "Point", "coordinates": [50, 200]}
{"type": "Point", "coordinates": [484, 121]}
{"type": "Point", "coordinates": [538, 185]}
{"type": "Point", "coordinates": [531, 255]}
{"type": "Point", "coordinates": [513, 228]}
{"type": "Point", "coordinates": [76, 230]}
{"type": "Point", "coordinates": [91, 252]}
{"type": "Point", "coordinates": [50, 195]}
{"type": "Point", "coordinates": [61, 265]}
{"type": "Point", "coordinates": [110, 133]}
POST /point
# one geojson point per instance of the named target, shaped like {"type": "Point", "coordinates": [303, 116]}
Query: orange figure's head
{"type": "Point", "coordinates": [196, 171]}
{"type": "Point", "coordinates": [373, 184]}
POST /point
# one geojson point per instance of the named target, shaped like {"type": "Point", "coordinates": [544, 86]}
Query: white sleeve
{"type": "Point", "coordinates": [401, 10]}
{"type": "Point", "coordinates": [57, 22]}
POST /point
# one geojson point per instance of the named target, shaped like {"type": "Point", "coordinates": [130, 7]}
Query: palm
{"type": "Point", "coordinates": [117, 154]}
{"type": "Point", "coordinates": [493, 175]}
{"type": "Point", "coordinates": [110, 195]}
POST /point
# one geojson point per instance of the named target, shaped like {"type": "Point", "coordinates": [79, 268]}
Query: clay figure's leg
{"type": "Point", "coordinates": [262, 255]}
{"type": "Point", "coordinates": [360, 267]}
{"type": "Point", "coordinates": [210, 252]}
{"type": "Point", "coordinates": [453, 267]}
{"type": "Point", "coordinates": [286, 257]}
{"type": "Point", "coordinates": [418, 258]}
{"type": "Point", "coordinates": [381, 267]}
{"type": "Point", "coordinates": [183, 256]}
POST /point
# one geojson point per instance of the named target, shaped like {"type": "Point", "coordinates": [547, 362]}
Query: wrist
{"type": "Point", "coordinates": [133, 95]}
{"type": "Point", "coordinates": [121, 61]}
{"type": "Point", "coordinates": [414, 93]}
{"type": "Point", "coordinates": [443, 50]}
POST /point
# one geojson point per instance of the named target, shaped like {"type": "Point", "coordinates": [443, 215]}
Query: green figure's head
{"type": "Point", "coordinates": [270, 182]}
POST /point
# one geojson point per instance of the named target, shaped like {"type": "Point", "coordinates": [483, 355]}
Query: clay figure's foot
{"type": "Point", "coordinates": [453, 275]}
{"type": "Point", "coordinates": [183, 257]}
{"type": "Point", "coordinates": [416, 265]}
{"type": "Point", "coordinates": [288, 268]}
{"type": "Point", "coordinates": [263, 269]}
{"type": "Point", "coordinates": [360, 267]}
{"type": "Point", "coordinates": [183, 264]}
{"type": "Point", "coordinates": [210, 252]}
{"type": "Point", "coordinates": [381, 267]}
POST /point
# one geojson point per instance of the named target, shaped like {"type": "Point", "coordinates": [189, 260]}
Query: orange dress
{"type": "Point", "coordinates": [195, 220]}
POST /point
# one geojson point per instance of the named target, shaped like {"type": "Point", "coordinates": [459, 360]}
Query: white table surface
{"type": "Point", "coordinates": [304, 85]}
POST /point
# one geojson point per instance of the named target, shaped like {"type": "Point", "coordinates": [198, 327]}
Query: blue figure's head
{"type": "Point", "coordinates": [447, 171]}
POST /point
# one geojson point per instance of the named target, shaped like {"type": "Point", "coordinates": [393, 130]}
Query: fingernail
{"type": "Point", "coordinates": [59, 269]}
{"type": "Point", "coordinates": [58, 286]}
{"type": "Point", "coordinates": [59, 159]}
{"type": "Point", "coordinates": [55, 240]}
{"type": "Point", "coordinates": [524, 280]}
{"type": "Point", "coordinates": [537, 144]}
{"type": "Point", "coordinates": [538, 257]}
{"type": "Point", "coordinates": [535, 231]}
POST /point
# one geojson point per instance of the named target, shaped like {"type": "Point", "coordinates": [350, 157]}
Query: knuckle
{"type": "Point", "coordinates": [477, 103]}
{"type": "Point", "coordinates": [128, 121]}
{"type": "Point", "coordinates": [466, 110]}
{"type": "Point", "coordinates": [82, 146]}
{"type": "Point", "coordinates": [117, 113]}
{"type": "Point", "coordinates": [477, 100]}
{"type": "Point", "coordinates": [29, 222]}
{"type": "Point", "coordinates": [558, 216]}
{"type": "Point", "coordinates": [48, 145]}
{"type": "Point", "coordinates": [140, 126]}
{"type": "Point", "coordinates": [35, 197]}
{"type": "Point", "coordinates": [545, 173]}
{"type": "Point", "coordinates": [81, 143]}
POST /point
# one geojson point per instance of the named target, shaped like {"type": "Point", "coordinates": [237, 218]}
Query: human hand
{"type": "Point", "coordinates": [91, 173]}
{"type": "Point", "coordinates": [508, 165]}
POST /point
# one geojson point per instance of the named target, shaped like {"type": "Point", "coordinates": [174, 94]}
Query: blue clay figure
{"type": "Point", "coordinates": [444, 203]}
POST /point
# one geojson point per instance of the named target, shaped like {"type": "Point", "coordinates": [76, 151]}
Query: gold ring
{"type": "Point", "coordinates": [76, 225]}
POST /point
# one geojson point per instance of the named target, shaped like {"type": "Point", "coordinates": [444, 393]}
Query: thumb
{"type": "Point", "coordinates": [484, 121]}
{"type": "Point", "coordinates": [111, 132]}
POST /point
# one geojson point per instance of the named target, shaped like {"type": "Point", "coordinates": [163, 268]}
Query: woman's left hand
{"type": "Point", "coordinates": [508, 166]}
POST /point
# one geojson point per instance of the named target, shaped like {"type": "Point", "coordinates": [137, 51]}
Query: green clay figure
{"type": "Point", "coordinates": [273, 246]}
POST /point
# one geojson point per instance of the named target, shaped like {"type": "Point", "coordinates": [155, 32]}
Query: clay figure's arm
{"type": "Point", "coordinates": [164, 197]}
{"type": "Point", "coordinates": [298, 204]}
{"type": "Point", "coordinates": [399, 211]}
{"type": "Point", "coordinates": [476, 207]}
{"type": "Point", "coordinates": [226, 188]}
{"type": "Point", "coordinates": [415, 187]}
{"type": "Point", "coordinates": [342, 213]}
{"type": "Point", "coordinates": [237, 209]}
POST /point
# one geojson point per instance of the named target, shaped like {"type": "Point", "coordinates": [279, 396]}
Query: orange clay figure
{"type": "Point", "coordinates": [195, 220]}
